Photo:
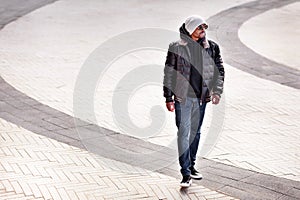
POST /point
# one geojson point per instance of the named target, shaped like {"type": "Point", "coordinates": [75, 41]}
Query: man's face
{"type": "Point", "coordinates": [200, 31]}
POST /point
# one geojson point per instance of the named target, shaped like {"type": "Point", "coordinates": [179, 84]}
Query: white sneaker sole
{"type": "Point", "coordinates": [185, 185]}
{"type": "Point", "coordinates": [196, 177]}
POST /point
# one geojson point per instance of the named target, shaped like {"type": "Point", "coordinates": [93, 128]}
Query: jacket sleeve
{"type": "Point", "coordinates": [219, 74]}
{"type": "Point", "coordinates": [170, 73]}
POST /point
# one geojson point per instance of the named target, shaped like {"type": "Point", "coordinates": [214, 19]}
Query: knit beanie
{"type": "Point", "coordinates": [192, 22]}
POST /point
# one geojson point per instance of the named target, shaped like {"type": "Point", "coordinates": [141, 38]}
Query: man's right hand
{"type": "Point", "coordinates": [170, 106]}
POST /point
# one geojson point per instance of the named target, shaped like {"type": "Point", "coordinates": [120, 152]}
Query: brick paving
{"type": "Point", "coordinates": [37, 167]}
{"type": "Point", "coordinates": [46, 121]}
{"type": "Point", "coordinates": [257, 33]}
{"type": "Point", "coordinates": [37, 76]}
{"type": "Point", "coordinates": [13, 9]}
{"type": "Point", "coordinates": [273, 121]}
{"type": "Point", "coordinates": [260, 131]}
{"type": "Point", "coordinates": [38, 118]}
{"type": "Point", "coordinates": [242, 57]}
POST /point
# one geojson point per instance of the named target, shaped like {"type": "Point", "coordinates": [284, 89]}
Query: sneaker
{"type": "Point", "coordinates": [186, 181]}
{"type": "Point", "coordinates": [195, 174]}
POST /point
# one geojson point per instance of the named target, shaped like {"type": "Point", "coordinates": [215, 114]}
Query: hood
{"type": "Point", "coordinates": [184, 34]}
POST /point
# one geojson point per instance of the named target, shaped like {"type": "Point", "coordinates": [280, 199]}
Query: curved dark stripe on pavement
{"type": "Point", "coordinates": [224, 28]}
{"type": "Point", "coordinates": [13, 9]}
{"type": "Point", "coordinates": [22, 110]}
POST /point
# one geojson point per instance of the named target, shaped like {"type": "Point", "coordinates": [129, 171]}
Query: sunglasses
{"type": "Point", "coordinates": [202, 26]}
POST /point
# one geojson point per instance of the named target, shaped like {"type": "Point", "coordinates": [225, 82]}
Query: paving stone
{"type": "Point", "coordinates": [30, 115]}
{"type": "Point", "coordinates": [30, 101]}
{"type": "Point", "coordinates": [58, 137]}
{"type": "Point", "coordinates": [250, 59]}
{"type": "Point", "coordinates": [85, 133]}
{"type": "Point", "coordinates": [4, 96]}
{"type": "Point", "coordinates": [241, 194]}
{"type": "Point", "coordinates": [215, 185]}
{"type": "Point", "coordinates": [242, 173]}
{"type": "Point", "coordinates": [5, 107]}
{"type": "Point", "coordinates": [225, 173]}
{"type": "Point", "coordinates": [14, 9]}
{"type": "Point", "coordinates": [70, 133]}
{"type": "Point", "coordinates": [50, 111]}
{"type": "Point", "coordinates": [20, 105]}
{"type": "Point", "coordinates": [44, 124]}
{"type": "Point", "coordinates": [57, 121]}
{"type": "Point", "coordinates": [215, 178]}
{"type": "Point", "coordinates": [294, 192]}
{"type": "Point", "coordinates": [32, 127]}
{"type": "Point", "coordinates": [257, 190]}
{"type": "Point", "coordinates": [285, 197]}
{"type": "Point", "coordinates": [69, 137]}
{"type": "Point", "coordinates": [4, 88]}
{"type": "Point", "coordinates": [230, 171]}
{"type": "Point", "coordinates": [271, 182]}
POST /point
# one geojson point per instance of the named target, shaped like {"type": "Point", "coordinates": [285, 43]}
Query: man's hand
{"type": "Point", "coordinates": [170, 106]}
{"type": "Point", "coordinates": [215, 99]}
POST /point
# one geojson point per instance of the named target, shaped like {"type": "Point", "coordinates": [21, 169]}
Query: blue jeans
{"type": "Point", "coordinates": [189, 118]}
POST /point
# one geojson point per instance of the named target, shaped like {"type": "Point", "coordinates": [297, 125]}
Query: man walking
{"type": "Point", "coordinates": [193, 76]}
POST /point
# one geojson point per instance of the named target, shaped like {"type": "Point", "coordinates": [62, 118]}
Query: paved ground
{"type": "Point", "coordinates": [36, 167]}
{"type": "Point", "coordinates": [270, 42]}
{"type": "Point", "coordinates": [241, 55]}
{"type": "Point", "coordinates": [34, 71]}
{"type": "Point", "coordinates": [30, 114]}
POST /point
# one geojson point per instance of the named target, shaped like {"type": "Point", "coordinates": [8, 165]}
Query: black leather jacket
{"type": "Point", "coordinates": [177, 71]}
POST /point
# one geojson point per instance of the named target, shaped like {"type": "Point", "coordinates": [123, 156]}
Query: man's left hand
{"type": "Point", "coordinates": [215, 99]}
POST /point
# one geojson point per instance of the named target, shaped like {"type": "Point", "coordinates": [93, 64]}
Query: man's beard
{"type": "Point", "coordinates": [202, 35]}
